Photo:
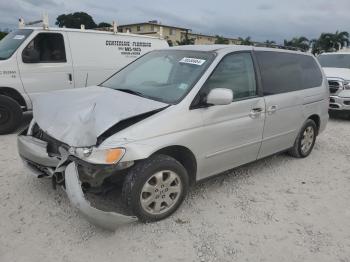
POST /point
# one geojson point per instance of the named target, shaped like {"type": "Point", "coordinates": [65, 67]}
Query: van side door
{"type": "Point", "coordinates": [45, 63]}
{"type": "Point", "coordinates": [282, 82]}
{"type": "Point", "coordinates": [232, 133]}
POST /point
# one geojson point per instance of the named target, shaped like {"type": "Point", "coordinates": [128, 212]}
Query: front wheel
{"type": "Point", "coordinates": [10, 115]}
{"type": "Point", "coordinates": [305, 140]}
{"type": "Point", "coordinates": [154, 188]}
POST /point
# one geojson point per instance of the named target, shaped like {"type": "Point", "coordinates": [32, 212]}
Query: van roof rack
{"type": "Point", "coordinates": [44, 21]}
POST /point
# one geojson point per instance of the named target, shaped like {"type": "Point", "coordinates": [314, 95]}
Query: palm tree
{"type": "Point", "coordinates": [340, 39]}
{"type": "Point", "coordinates": [299, 43]}
{"type": "Point", "coordinates": [245, 41]}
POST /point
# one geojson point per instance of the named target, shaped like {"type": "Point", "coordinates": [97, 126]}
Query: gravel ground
{"type": "Point", "coordinates": [277, 209]}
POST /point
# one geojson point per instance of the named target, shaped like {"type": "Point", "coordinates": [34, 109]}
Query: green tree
{"type": "Point", "coordinates": [245, 41]}
{"type": "Point", "coordinates": [301, 43]}
{"type": "Point", "coordinates": [221, 40]}
{"type": "Point", "coordinates": [75, 20]}
{"type": "Point", "coordinates": [104, 24]}
{"type": "Point", "coordinates": [2, 35]}
{"type": "Point", "coordinates": [186, 40]}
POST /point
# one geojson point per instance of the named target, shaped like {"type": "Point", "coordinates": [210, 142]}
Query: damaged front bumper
{"type": "Point", "coordinates": [107, 220]}
{"type": "Point", "coordinates": [36, 158]}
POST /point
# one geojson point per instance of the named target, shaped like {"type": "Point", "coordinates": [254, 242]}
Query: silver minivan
{"type": "Point", "coordinates": [171, 118]}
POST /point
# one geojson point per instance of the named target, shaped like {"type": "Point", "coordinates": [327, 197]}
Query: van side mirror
{"type": "Point", "coordinates": [220, 96]}
{"type": "Point", "coordinates": [30, 55]}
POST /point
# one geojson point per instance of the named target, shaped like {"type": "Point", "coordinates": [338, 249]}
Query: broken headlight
{"type": "Point", "coordinates": [99, 156]}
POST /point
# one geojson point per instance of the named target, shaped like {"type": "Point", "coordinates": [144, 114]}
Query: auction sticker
{"type": "Point", "coordinates": [192, 61]}
{"type": "Point", "coordinates": [18, 37]}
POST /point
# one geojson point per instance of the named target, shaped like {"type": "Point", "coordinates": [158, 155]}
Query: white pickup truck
{"type": "Point", "coordinates": [39, 59]}
{"type": "Point", "coordinates": [337, 69]}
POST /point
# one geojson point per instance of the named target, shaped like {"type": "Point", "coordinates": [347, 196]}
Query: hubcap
{"type": "Point", "coordinates": [307, 140]}
{"type": "Point", "coordinates": [4, 115]}
{"type": "Point", "coordinates": [161, 192]}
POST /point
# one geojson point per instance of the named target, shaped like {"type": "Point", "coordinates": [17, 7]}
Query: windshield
{"type": "Point", "coordinates": [10, 43]}
{"type": "Point", "coordinates": [165, 76]}
{"type": "Point", "coordinates": [339, 61]}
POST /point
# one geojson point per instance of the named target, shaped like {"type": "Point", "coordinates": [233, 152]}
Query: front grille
{"type": "Point", "coordinates": [52, 143]}
{"type": "Point", "coordinates": [347, 103]}
{"type": "Point", "coordinates": [334, 86]}
{"type": "Point", "coordinates": [331, 100]}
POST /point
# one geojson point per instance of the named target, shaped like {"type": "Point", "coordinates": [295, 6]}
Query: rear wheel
{"type": "Point", "coordinates": [155, 188]}
{"type": "Point", "coordinates": [305, 141]}
{"type": "Point", "coordinates": [10, 115]}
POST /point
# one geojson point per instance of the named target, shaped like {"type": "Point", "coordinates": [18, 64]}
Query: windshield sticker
{"type": "Point", "coordinates": [192, 61]}
{"type": "Point", "coordinates": [18, 37]}
{"type": "Point", "coordinates": [183, 86]}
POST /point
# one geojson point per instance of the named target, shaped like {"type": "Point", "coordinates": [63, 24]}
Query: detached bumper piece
{"type": "Point", "coordinates": [106, 220]}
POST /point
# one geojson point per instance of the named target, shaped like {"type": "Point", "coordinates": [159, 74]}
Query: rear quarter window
{"type": "Point", "coordinates": [286, 72]}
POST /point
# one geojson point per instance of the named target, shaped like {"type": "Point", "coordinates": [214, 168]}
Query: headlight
{"type": "Point", "coordinates": [99, 156]}
{"type": "Point", "coordinates": [346, 85]}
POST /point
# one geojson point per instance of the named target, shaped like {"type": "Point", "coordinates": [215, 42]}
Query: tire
{"type": "Point", "coordinates": [152, 181]}
{"type": "Point", "coordinates": [298, 150]}
{"type": "Point", "coordinates": [10, 115]}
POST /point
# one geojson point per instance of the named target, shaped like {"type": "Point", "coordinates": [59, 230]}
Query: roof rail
{"type": "Point", "coordinates": [258, 44]}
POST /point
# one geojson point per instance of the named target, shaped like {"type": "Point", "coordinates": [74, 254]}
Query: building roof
{"type": "Point", "coordinates": [155, 23]}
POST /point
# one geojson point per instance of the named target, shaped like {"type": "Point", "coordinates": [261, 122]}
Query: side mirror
{"type": "Point", "coordinates": [30, 56]}
{"type": "Point", "coordinates": [220, 96]}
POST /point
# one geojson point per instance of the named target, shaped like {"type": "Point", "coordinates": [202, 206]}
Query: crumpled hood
{"type": "Point", "coordinates": [343, 73]}
{"type": "Point", "coordinates": [78, 116]}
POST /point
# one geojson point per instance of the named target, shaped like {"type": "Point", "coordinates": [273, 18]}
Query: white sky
{"type": "Point", "coordinates": [260, 19]}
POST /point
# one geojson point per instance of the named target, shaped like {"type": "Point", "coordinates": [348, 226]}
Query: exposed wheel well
{"type": "Point", "coordinates": [185, 157]}
{"type": "Point", "coordinates": [317, 120]}
{"type": "Point", "coordinates": [14, 94]}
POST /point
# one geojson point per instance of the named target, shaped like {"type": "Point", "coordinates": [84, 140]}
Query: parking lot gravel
{"type": "Point", "coordinates": [276, 209]}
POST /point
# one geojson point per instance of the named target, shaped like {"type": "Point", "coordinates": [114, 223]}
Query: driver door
{"type": "Point", "coordinates": [232, 134]}
{"type": "Point", "coordinates": [45, 63]}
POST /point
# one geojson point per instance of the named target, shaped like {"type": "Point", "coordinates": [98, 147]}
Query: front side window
{"type": "Point", "coordinates": [45, 48]}
{"type": "Point", "coordinates": [10, 43]}
{"type": "Point", "coordinates": [165, 76]}
{"type": "Point", "coordinates": [235, 72]}
{"type": "Point", "coordinates": [335, 60]}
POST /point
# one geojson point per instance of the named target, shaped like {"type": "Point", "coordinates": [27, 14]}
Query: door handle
{"type": "Point", "coordinates": [272, 109]}
{"type": "Point", "coordinates": [255, 112]}
{"type": "Point", "coordinates": [70, 78]}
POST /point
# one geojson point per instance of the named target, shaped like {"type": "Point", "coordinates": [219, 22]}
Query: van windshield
{"type": "Point", "coordinates": [165, 75]}
{"type": "Point", "coordinates": [336, 60]}
{"type": "Point", "coordinates": [10, 43]}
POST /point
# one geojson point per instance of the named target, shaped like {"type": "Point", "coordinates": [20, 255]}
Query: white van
{"type": "Point", "coordinates": [35, 59]}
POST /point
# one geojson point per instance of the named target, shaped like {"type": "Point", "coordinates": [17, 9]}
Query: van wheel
{"type": "Point", "coordinates": [10, 114]}
{"type": "Point", "coordinates": [155, 187]}
{"type": "Point", "coordinates": [305, 140]}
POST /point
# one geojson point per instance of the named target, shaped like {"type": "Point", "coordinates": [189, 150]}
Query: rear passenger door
{"type": "Point", "coordinates": [282, 82]}
{"type": "Point", "coordinates": [232, 133]}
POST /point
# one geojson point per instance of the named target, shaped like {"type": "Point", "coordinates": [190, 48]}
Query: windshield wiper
{"type": "Point", "coordinates": [131, 92]}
